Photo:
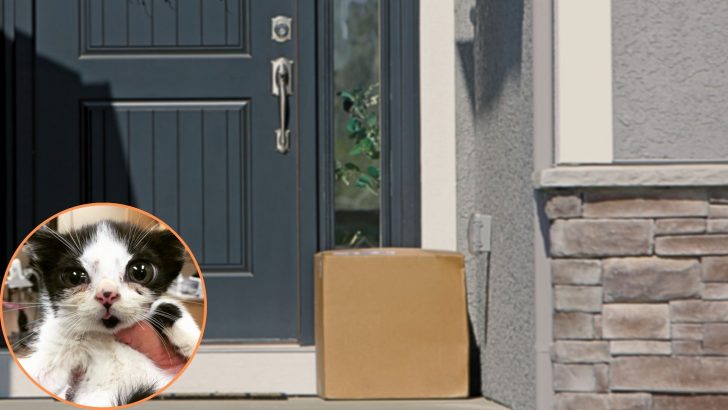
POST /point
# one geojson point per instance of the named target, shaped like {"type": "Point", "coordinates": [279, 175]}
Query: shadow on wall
{"type": "Point", "coordinates": [464, 51]}
{"type": "Point", "coordinates": [494, 172]}
{"type": "Point", "coordinates": [5, 151]}
{"type": "Point", "coordinates": [45, 173]}
{"type": "Point", "coordinates": [48, 168]}
{"type": "Point", "coordinates": [496, 52]}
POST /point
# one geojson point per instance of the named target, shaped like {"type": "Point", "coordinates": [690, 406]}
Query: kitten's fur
{"type": "Point", "coordinates": [75, 354]}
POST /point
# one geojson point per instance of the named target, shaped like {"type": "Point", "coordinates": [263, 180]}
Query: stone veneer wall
{"type": "Point", "coordinates": [640, 285]}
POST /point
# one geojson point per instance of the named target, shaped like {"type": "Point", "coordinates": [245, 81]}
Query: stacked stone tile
{"type": "Point", "coordinates": [640, 285]}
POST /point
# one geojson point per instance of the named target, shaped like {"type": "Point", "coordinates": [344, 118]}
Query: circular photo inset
{"type": "Point", "coordinates": [103, 305]}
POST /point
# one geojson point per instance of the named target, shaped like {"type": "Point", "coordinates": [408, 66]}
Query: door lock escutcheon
{"type": "Point", "coordinates": [281, 28]}
{"type": "Point", "coordinates": [282, 73]}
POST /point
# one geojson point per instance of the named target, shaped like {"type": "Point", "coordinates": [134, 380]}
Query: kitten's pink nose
{"type": "Point", "coordinates": [107, 296]}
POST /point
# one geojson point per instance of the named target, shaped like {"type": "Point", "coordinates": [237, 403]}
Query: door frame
{"type": "Point", "coordinates": [400, 123]}
{"type": "Point", "coordinates": [400, 127]}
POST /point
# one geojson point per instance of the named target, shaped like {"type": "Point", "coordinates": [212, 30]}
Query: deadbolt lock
{"type": "Point", "coordinates": [281, 28]}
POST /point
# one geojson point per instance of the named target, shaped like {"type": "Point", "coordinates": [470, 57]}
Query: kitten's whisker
{"type": "Point", "coordinates": [131, 234]}
{"type": "Point", "coordinates": [146, 230]}
{"type": "Point", "coordinates": [30, 322]}
{"type": "Point", "coordinates": [193, 302]}
{"type": "Point", "coordinates": [134, 232]}
{"type": "Point", "coordinates": [14, 309]}
{"type": "Point", "coordinates": [72, 239]}
{"type": "Point", "coordinates": [161, 336]}
{"type": "Point", "coordinates": [71, 328]}
{"type": "Point", "coordinates": [20, 342]}
{"type": "Point", "coordinates": [150, 321]}
{"type": "Point", "coordinates": [63, 240]}
{"type": "Point", "coordinates": [29, 335]}
{"type": "Point", "coordinates": [39, 304]}
{"type": "Point", "coordinates": [165, 314]}
{"type": "Point", "coordinates": [76, 322]}
{"type": "Point", "coordinates": [76, 243]}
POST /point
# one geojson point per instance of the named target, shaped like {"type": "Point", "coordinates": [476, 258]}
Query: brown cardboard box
{"type": "Point", "coordinates": [391, 324]}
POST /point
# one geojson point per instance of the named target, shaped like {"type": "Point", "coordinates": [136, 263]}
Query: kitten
{"type": "Point", "coordinates": [98, 280]}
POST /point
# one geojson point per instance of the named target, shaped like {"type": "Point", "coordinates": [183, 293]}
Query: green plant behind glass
{"type": "Point", "coordinates": [362, 126]}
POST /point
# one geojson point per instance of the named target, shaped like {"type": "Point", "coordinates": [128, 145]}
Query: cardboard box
{"type": "Point", "coordinates": [391, 324]}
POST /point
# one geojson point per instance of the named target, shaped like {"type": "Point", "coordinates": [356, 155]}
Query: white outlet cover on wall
{"type": "Point", "coordinates": [479, 230]}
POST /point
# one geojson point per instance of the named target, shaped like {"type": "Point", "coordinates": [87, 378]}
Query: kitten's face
{"type": "Point", "coordinates": [105, 277]}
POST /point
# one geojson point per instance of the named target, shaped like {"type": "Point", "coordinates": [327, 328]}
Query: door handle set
{"type": "Point", "coordinates": [282, 80]}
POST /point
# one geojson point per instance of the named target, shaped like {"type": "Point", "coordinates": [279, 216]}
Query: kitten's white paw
{"type": "Point", "coordinates": [184, 335]}
{"type": "Point", "coordinates": [172, 319]}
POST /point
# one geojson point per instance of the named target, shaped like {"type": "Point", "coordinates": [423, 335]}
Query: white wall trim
{"type": "Point", "coordinates": [668, 175]}
{"type": "Point", "coordinates": [437, 113]}
{"type": "Point", "coordinates": [543, 157]}
{"type": "Point", "coordinates": [583, 76]}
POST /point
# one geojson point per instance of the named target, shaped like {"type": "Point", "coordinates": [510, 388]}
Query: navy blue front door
{"type": "Point", "coordinates": [167, 105]}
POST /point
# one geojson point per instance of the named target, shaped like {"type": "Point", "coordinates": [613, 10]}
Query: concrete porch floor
{"type": "Point", "coordinates": [287, 404]}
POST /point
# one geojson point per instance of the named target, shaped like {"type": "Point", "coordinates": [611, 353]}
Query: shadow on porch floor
{"type": "Point", "coordinates": [289, 404]}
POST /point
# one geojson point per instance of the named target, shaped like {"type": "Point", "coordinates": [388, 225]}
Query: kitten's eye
{"type": "Point", "coordinates": [141, 272]}
{"type": "Point", "coordinates": [74, 277]}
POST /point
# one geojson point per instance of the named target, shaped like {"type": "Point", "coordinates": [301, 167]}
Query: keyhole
{"type": "Point", "coordinates": [282, 30]}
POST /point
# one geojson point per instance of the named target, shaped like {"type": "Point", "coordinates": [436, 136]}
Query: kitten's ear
{"type": "Point", "coordinates": [170, 249]}
{"type": "Point", "coordinates": [42, 241]}
{"type": "Point", "coordinates": [43, 248]}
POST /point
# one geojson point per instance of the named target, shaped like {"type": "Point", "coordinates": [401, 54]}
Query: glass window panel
{"type": "Point", "coordinates": [356, 122]}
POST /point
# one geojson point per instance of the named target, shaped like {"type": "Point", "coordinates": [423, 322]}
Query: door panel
{"type": "Point", "coordinates": [182, 26]}
{"type": "Point", "coordinates": [167, 105]}
{"type": "Point", "coordinates": [205, 180]}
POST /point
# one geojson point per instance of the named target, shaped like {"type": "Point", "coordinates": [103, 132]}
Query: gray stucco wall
{"type": "Point", "coordinates": [495, 162]}
{"type": "Point", "coordinates": [465, 117]}
{"type": "Point", "coordinates": [670, 64]}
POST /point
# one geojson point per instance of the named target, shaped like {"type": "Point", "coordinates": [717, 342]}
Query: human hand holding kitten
{"type": "Point", "coordinates": [143, 338]}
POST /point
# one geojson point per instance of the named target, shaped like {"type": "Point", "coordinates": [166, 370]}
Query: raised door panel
{"type": "Point", "coordinates": [164, 26]}
{"type": "Point", "coordinates": [187, 163]}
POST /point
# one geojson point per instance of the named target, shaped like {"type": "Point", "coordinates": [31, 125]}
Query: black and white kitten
{"type": "Point", "coordinates": [98, 280]}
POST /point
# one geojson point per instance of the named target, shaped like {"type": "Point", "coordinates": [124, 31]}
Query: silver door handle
{"type": "Point", "coordinates": [282, 79]}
